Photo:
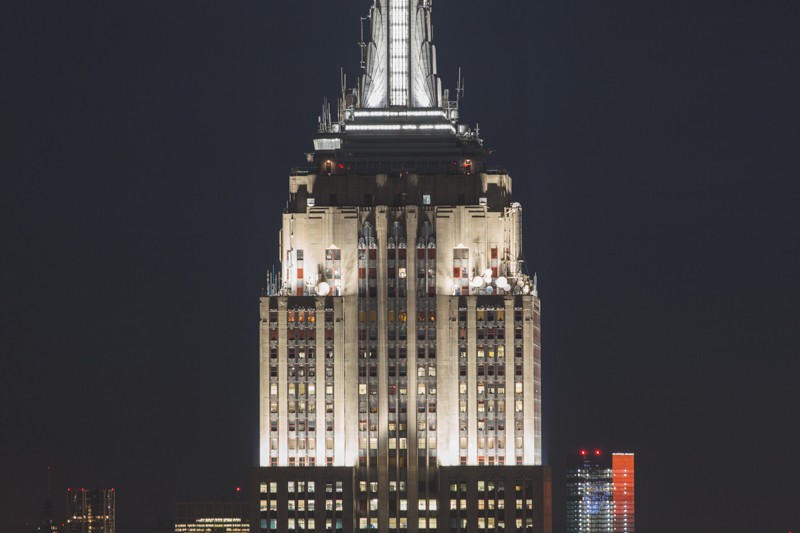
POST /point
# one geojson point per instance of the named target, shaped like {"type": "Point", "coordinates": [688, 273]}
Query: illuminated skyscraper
{"type": "Point", "coordinates": [91, 511]}
{"type": "Point", "coordinates": [400, 344]}
{"type": "Point", "coordinates": [600, 493]}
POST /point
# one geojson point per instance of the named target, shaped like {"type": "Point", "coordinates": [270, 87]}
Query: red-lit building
{"type": "Point", "coordinates": [600, 493]}
{"type": "Point", "coordinates": [622, 492]}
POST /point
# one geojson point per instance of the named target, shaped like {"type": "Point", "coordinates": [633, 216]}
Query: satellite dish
{"type": "Point", "coordinates": [476, 281]}
{"type": "Point", "coordinates": [520, 283]}
{"type": "Point", "coordinates": [507, 288]}
{"type": "Point", "coordinates": [489, 290]}
{"type": "Point", "coordinates": [501, 282]}
{"type": "Point", "coordinates": [487, 273]}
{"type": "Point", "coordinates": [323, 289]}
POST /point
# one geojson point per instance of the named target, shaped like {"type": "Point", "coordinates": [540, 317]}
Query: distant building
{"type": "Point", "coordinates": [91, 511]}
{"type": "Point", "coordinates": [49, 523]}
{"type": "Point", "coordinates": [212, 517]}
{"type": "Point", "coordinates": [600, 493]}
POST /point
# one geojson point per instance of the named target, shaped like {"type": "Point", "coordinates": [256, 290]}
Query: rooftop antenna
{"type": "Point", "coordinates": [325, 119]}
{"type": "Point", "coordinates": [362, 45]}
{"type": "Point", "coordinates": [460, 87]}
{"type": "Point", "coordinates": [342, 99]}
{"type": "Point", "coordinates": [535, 284]}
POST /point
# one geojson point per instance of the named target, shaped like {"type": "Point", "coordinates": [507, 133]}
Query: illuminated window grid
{"type": "Point", "coordinates": [221, 525]}
{"type": "Point", "coordinates": [427, 384]}
{"type": "Point", "coordinates": [329, 388]}
{"type": "Point", "coordinates": [334, 507]}
{"type": "Point", "coordinates": [490, 387]}
{"type": "Point", "coordinates": [463, 386]}
{"type": "Point", "coordinates": [523, 503]}
{"type": "Point", "coordinates": [491, 505]}
{"type": "Point", "coordinates": [519, 387]}
{"type": "Point", "coordinates": [273, 386]}
{"type": "Point", "coordinates": [397, 279]}
{"type": "Point", "coordinates": [301, 386]}
{"type": "Point", "coordinates": [458, 507]}
{"type": "Point", "coordinates": [301, 505]}
{"type": "Point", "coordinates": [367, 379]}
{"type": "Point", "coordinates": [268, 514]}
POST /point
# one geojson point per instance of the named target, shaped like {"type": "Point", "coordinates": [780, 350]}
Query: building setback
{"type": "Point", "coordinates": [401, 340]}
{"type": "Point", "coordinates": [600, 493]}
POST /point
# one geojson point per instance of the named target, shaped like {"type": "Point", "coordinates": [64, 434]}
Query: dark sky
{"type": "Point", "coordinates": [655, 146]}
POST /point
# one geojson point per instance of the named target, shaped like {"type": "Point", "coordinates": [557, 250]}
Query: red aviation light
{"type": "Point", "coordinates": [597, 452]}
{"type": "Point", "coordinates": [238, 489]}
{"type": "Point", "coordinates": [583, 452]}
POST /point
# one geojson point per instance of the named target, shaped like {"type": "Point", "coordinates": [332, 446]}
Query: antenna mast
{"type": "Point", "coordinates": [460, 87]}
{"type": "Point", "coordinates": [343, 97]}
{"type": "Point", "coordinates": [362, 45]}
{"type": "Point", "coordinates": [325, 123]}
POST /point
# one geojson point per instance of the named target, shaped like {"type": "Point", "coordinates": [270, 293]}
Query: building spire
{"type": "Point", "coordinates": [400, 68]}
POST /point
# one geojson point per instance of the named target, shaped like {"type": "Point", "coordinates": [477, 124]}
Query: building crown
{"type": "Point", "coordinates": [399, 90]}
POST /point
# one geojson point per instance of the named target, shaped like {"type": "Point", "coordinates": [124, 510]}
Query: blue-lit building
{"type": "Point", "coordinates": [600, 493]}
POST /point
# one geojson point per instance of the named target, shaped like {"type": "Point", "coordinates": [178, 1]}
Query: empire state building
{"type": "Point", "coordinates": [400, 349]}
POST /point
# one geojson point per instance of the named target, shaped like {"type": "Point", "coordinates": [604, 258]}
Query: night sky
{"type": "Point", "coordinates": [145, 148]}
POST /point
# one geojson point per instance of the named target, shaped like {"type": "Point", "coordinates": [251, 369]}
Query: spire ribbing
{"type": "Point", "coordinates": [401, 58]}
